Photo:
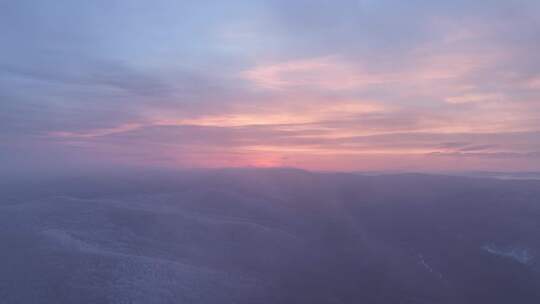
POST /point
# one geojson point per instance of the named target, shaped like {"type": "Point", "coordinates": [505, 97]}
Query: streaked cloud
{"type": "Point", "coordinates": [345, 85]}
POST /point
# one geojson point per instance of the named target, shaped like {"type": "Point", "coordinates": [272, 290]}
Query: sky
{"type": "Point", "coordinates": [321, 85]}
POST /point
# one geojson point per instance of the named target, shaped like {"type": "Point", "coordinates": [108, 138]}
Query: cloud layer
{"type": "Point", "coordinates": [334, 85]}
